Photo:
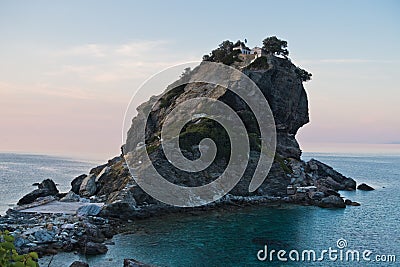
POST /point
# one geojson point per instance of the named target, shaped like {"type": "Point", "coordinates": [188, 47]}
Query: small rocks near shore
{"type": "Point", "coordinates": [45, 188]}
{"type": "Point", "coordinates": [135, 263]}
{"type": "Point", "coordinates": [331, 202]}
{"type": "Point", "coordinates": [315, 183]}
{"type": "Point", "coordinates": [348, 202]}
{"type": "Point", "coordinates": [49, 233]}
{"type": "Point", "coordinates": [365, 187]}
{"type": "Point", "coordinates": [79, 264]}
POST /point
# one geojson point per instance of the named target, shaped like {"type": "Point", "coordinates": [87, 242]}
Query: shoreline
{"type": "Point", "coordinates": [50, 233]}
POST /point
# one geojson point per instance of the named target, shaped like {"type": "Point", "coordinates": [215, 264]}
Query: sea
{"type": "Point", "coordinates": [251, 236]}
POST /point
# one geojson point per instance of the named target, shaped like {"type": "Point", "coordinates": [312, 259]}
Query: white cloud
{"type": "Point", "coordinates": [131, 49]}
{"type": "Point", "coordinates": [100, 63]}
{"type": "Point", "coordinates": [344, 61]}
{"type": "Point", "coordinates": [353, 60]}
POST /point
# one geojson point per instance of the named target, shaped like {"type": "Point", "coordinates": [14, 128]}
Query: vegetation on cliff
{"type": "Point", "coordinates": [228, 53]}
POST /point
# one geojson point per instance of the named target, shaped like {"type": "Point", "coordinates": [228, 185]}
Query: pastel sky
{"type": "Point", "coordinates": [69, 68]}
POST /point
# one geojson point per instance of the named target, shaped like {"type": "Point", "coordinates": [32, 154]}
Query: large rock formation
{"type": "Point", "coordinates": [290, 179]}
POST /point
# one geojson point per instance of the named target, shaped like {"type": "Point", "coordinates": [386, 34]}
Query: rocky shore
{"type": "Point", "coordinates": [90, 229]}
{"type": "Point", "coordinates": [107, 197]}
{"type": "Point", "coordinates": [47, 234]}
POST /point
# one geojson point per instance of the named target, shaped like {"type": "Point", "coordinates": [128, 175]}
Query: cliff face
{"type": "Point", "coordinates": [282, 87]}
{"type": "Point", "coordinates": [287, 98]}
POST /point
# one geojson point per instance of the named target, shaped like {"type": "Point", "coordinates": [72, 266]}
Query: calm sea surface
{"type": "Point", "coordinates": [19, 171]}
{"type": "Point", "coordinates": [233, 239]}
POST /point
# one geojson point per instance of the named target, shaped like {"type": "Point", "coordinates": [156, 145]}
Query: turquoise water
{"type": "Point", "coordinates": [221, 238]}
{"type": "Point", "coordinates": [233, 239]}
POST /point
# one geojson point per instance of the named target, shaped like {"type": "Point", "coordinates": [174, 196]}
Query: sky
{"type": "Point", "coordinates": [68, 69]}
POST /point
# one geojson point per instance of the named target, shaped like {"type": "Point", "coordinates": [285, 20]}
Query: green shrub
{"type": "Point", "coordinates": [9, 256]}
{"type": "Point", "coordinates": [224, 53]}
{"type": "Point", "coordinates": [193, 133]}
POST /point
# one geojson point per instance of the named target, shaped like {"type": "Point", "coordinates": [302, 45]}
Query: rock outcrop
{"type": "Point", "coordinates": [135, 263]}
{"type": "Point", "coordinates": [365, 187]}
{"type": "Point", "coordinates": [88, 186]}
{"type": "Point", "coordinates": [79, 264]}
{"type": "Point", "coordinates": [77, 182]}
{"type": "Point", "coordinates": [45, 188]}
{"type": "Point", "coordinates": [290, 179]}
{"type": "Point", "coordinates": [49, 233]}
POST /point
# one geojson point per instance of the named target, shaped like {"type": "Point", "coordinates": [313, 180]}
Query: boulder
{"type": "Point", "coordinates": [316, 195]}
{"type": "Point", "coordinates": [79, 264]}
{"type": "Point", "coordinates": [348, 202]}
{"type": "Point", "coordinates": [365, 187]}
{"type": "Point", "coordinates": [68, 226]}
{"type": "Point", "coordinates": [331, 202]}
{"type": "Point", "coordinates": [331, 192]}
{"type": "Point", "coordinates": [326, 175]}
{"type": "Point", "coordinates": [88, 210]}
{"type": "Point", "coordinates": [135, 263]}
{"type": "Point", "coordinates": [50, 186]}
{"type": "Point", "coordinates": [70, 197]}
{"type": "Point", "coordinates": [45, 188]}
{"type": "Point", "coordinates": [120, 204]}
{"type": "Point", "coordinates": [20, 242]}
{"type": "Point", "coordinates": [44, 236]}
{"type": "Point", "coordinates": [332, 183]}
{"type": "Point", "coordinates": [88, 186]}
{"type": "Point", "coordinates": [141, 197]}
{"type": "Point", "coordinates": [76, 183]}
{"type": "Point", "coordinates": [91, 248]}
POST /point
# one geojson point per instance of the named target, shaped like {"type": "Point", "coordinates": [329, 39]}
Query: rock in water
{"type": "Point", "coordinates": [279, 82]}
{"type": "Point", "coordinates": [348, 202]}
{"type": "Point", "coordinates": [91, 248]}
{"type": "Point", "coordinates": [332, 202]}
{"type": "Point", "coordinates": [79, 264]}
{"type": "Point", "coordinates": [45, 188]}
{"type": "Point", "coordinates": [135, 263]}
{"type": "Point", "coordinates": [49, 185]}
{"type": "Point", "coordinates": [329, 177]}
{"type": "Point", "coordinates": [365, 187]}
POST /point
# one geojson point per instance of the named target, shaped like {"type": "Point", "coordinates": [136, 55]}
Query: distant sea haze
{"type": "Point", "coordinates": [351, 148]}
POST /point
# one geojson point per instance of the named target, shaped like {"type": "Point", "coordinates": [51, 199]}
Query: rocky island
{"type": "Point", "coordinates": [108, 196]}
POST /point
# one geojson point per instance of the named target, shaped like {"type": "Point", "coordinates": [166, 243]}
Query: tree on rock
{"type": "Point", "coordinates": [303, 74]}
{"type": "Point", "coordinates": [224, 53]}
{"type": "Point", "coordinates": [275, 46]}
